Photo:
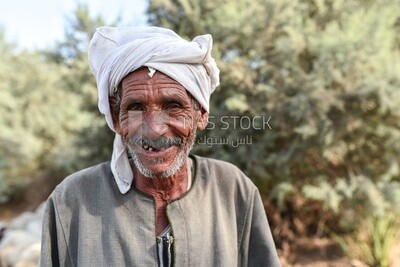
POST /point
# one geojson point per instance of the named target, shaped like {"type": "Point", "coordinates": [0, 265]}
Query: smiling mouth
{"type": "Point", "coordinates": [148, 147]}
{"type": "Point", "coordinates": [162, 144]}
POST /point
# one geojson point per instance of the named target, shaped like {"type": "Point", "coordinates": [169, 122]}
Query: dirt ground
{"type": "Point", "coordinates": [316, 252]}
{"type": "Point", "coordinates": [323, 252]}
{"type": "Point", "coordinates": [29, 198]}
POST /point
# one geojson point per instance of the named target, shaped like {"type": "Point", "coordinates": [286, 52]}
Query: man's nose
{"type": "Point", "coordinates": [155, 124]}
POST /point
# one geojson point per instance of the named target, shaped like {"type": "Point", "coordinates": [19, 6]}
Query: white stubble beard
{"type": "Point", "coordinates": [171, 170]}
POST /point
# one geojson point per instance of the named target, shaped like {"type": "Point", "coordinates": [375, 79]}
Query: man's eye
{"type": "Point", "coordinates": [172, 105]}
{"type": "Point", "coordinates": [135, 106]}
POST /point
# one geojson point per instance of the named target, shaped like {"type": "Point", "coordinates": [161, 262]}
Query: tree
{"type": "Point", "coordinates": [38, 118]}
{"type": "Point", "coordinates": [95, 138]}
{"type": "Point", "coordinates": [327, 72]}
{"type": "Point", "coordinates": [49, 109]}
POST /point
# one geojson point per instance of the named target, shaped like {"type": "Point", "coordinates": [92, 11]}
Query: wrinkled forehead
{"type": "Point", "coordinates": [145, 77]}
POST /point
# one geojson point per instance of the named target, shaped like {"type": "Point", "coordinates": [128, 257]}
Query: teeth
{"type": "Point", "coordinates": [147, 147]}
{"type": "Point", "coordinates": [150, 148]}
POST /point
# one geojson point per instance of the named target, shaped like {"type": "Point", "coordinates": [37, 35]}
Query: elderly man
{"type": "Point", "coordinates": [155, 204]}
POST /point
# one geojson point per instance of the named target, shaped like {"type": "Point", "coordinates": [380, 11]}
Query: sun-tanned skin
{"type": "Point", "coordinates": [153, 107]}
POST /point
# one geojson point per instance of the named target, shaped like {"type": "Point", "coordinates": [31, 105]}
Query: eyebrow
{"type": "Point", "coordinates": [133, 99]}
{"type": "Point", "coordinates": [163, 99]}
{"type": "Point", "coordinates": [166, 99]}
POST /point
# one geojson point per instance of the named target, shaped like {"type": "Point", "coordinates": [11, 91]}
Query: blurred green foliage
{"type": "Point", "coordinates": [328, 74]}
{"type": "Point", "coordinates": [48, 114]}
{"type": "Point", "coordinates": [95, 138]}
{"type": "Point", "coordinates": [38, 118]}
{"type": "Point", "coordinates": [373, 241]}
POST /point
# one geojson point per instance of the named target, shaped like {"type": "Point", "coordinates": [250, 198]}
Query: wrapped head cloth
{"type": "Point", "coordinates": [115, 52]}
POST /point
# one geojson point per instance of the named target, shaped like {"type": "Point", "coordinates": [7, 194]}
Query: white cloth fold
{"type": "Point", "coordinates": [115, 52]}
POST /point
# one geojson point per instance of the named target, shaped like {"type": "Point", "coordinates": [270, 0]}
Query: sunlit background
{"type": "Point", "coordinates": [38, 24]}
{"type": "Point", "coordinates": [323, 74]}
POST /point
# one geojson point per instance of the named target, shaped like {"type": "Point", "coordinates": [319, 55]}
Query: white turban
{"type": "Point", "coordinates": [115, 52]}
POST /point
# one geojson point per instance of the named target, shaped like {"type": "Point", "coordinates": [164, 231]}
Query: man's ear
{"type": "Point", "coordinates": [114, 110]}
{"type": "Point", "coordinates": [203, 120]}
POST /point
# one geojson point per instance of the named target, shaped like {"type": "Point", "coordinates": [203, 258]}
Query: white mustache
{"type": "Point", "coordinates": [160, 143]}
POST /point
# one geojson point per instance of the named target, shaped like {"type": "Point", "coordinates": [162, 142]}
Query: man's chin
{"type": "Point", "coordinates": [153, 167]}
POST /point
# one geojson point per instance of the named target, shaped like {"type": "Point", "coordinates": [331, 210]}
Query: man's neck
{"type": "Point", "coordinates": [164, 190]}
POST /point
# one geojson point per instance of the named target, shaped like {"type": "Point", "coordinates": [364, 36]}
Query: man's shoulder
{"type": "Point", "coordinates": [224, 172]}
{"type": "Point", "coordinates": [93, 172]}
{"type": "Point", "coordinates": [85, 178]}
{"type": "Point", "coordinates": [216, 163]}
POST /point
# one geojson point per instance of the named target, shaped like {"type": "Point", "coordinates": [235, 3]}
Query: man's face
{"type": "Point", "coordinates": [158, 122]}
